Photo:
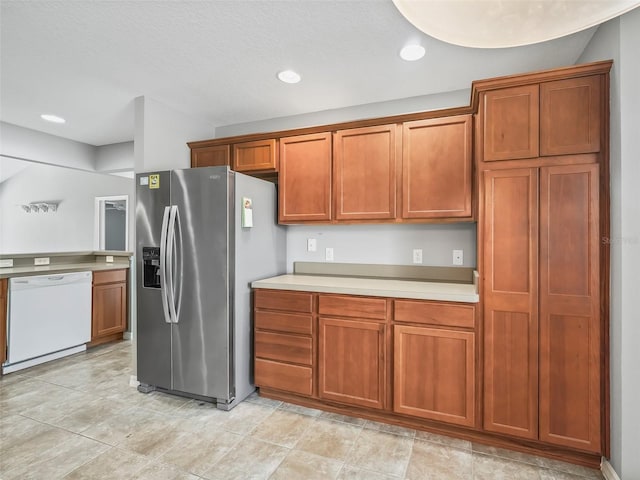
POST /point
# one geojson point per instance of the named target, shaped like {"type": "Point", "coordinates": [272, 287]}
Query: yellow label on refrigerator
{"type": "Point", "coordinates": [154, 181]}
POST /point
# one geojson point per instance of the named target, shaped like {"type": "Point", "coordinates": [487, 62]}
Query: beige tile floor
{"type": "Point", "coordinates": [78, 418]}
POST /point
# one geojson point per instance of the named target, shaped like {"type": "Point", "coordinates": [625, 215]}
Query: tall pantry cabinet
{"type": "Point", "coordinates": [543, 183]}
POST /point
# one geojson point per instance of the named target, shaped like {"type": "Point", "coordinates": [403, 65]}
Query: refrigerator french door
{"type": "Point", "coordinates": [193, 304]}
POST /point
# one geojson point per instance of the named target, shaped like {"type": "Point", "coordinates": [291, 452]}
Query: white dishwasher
{"type": "Point", "coordinates": [49, 317]}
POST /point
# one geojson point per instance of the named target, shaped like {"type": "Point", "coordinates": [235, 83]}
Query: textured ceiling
{"type": "Point", "coordinates": [87, 60]}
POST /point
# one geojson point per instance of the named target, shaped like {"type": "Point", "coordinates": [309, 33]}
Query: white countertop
{"type": "Point", "coordinates": [375, 287]}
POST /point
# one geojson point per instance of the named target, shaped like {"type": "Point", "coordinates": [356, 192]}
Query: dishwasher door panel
{"type": "Point", "coordinates": [47, 314]}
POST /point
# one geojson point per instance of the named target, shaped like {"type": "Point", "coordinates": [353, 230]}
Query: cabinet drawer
{"type": "Point", "coordinates": [286, 348]}
{"type": "Point", "coordinates": [284, 322]}
{"type": "Point", "coordinates": [353, 307]}
{"type": "Point", "coordinates": [109, 276]}
{"type": "Point", "coordinates": [281, 376]}
{"type": "Point", "coordinates": [284, 300]}
{"type": "Point", "coordinates": [433, 313]}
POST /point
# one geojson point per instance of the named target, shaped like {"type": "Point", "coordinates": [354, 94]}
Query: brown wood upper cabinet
{"type": "Point", "coordinates": [304, 193]}
{"type": "Point", "coordinates": [436, 168]}
{"type": "Point", "coordinates": [109, 306]}
{"type": "Point", "coordinates": [364, 172]}
{"type": "Point", "coordinates": [257, 156]}
{"type": "Point", "coordinates": [560, 117]}
{"type": "Point", "coordinates": [211, 156]}
{"type": "Point", "coordinates": [511, 123]}
{"type": "Point", "coordinates": [570, 112]}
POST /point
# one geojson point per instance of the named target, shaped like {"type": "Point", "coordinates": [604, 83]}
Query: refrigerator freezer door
{"type": "Point", "coordinates": [202, 329]}
{"type": "Point", "coordinates": [154, 334]}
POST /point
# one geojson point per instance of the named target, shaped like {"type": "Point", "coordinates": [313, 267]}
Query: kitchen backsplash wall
{"type": "Point", "coordinates": [383, 244]}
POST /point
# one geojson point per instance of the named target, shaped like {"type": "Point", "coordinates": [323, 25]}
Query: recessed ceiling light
{"type": "Point", "coordinates": [412, 52]}
{"type": "Point", "coordinates": [52, 118]}
{"type": "Point", "coordinates": [289, 76]}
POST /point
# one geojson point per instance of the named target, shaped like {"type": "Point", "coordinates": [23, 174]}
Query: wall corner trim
{"type": "Point", "coordinates": [607, 470]}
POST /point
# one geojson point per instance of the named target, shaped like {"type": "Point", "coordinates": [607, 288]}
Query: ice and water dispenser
{"type": "Point", "coordinates": [151, 264]}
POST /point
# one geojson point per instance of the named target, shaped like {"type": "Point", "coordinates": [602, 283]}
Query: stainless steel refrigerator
{"type": "Point", "coordinates": [196, 257]}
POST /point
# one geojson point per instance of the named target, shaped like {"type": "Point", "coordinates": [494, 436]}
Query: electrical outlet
{"type": "Point", "coordinates": [109, 259]}
{"type": "Point", "coordinates": [6, 263]}
{"type": "Point", "coordinates": [312, 245]}
{"type": "Point", "coordinates": [328, 254]}
{"type": "Point", "coordinates": [417, 255]}
{"type": "Point", "coordinates": [41, 261]}
{"type": "Point", "coordinates": [458, 258]}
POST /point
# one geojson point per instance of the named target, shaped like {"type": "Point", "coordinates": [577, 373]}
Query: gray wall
{"type": "Point", "coordinates": [27, 144]}
{"type": "Point", "coordinates": [619, 40]}
{"type": "Point", "coordinates": [116, 157]}
{"type": "Point", "coordinates": [455, 98]}
{"type": "Point", "coordinates": [71, 228]}
{"type": "Point", "coordinates": [385, 244]}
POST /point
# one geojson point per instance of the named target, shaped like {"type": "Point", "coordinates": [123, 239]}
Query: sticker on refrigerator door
{"type": "Point", "coordinates": [247, 212]}
{"type": "Point", "coordinates": [144, 180]}
{"type": "Point", "coordinates": [154, 181]}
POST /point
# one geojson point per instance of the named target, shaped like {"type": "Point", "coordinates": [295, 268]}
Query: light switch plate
{"type": "Point", "coordinates": [109, 259]}
{"type": "Point", "coordinates": [458, 258]}
{"type": "Point", "coordinates": [41, 261]}
{"type": "Point", "coordinates": [328, 254]}
{"type": "Point", "coordinates": [312, 245]}
{"type": "Point", "coordinates": [6, 263]}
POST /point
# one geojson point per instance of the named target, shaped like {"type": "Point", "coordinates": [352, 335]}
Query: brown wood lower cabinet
{"type": "Point", "coordinates": [418, 364]}
{"type": "Point", "coordinates": [351, 361]}
{"type": "Point", "coordinates": [434, 374]}
{"type": "Point", "coordinates": [109, 306]}
{"type": "Point", "coordinates": [283, 344]}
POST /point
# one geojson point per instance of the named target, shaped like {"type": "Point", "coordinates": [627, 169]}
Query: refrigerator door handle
{"type": "Point", "coordinates": [171, 250]}
{"type": "Point", "coordinates": [164, 287]}
{"type": "Point", "coordinates": [177, 264]}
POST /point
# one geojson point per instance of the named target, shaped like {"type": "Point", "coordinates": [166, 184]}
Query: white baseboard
{"type": "Point", "coordinates": [607, 470]}
{"type": "Point", "coordinates": [133, 381]}
{"type": "Point", "coordinates": [127, 336]}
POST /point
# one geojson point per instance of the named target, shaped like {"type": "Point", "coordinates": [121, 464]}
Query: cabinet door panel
{"type": "Point", "coordinates": [436, 168]}
{"type": "Point", "coordinates": [211, 156]}
{"type": "Point", "coordinates": [434, 374]}
{"type": "Point", "coordinates": [284, 300]}
{"type": "Point", "coordinates": [351, 361]}
{"type": "Point", "coordinates": [285, 348]}
{"type": "Point", "coordinates": [511, 123]}
{"type": "Point", "coordinates": [570, 355]}
{"type": "Point", "coordinates": [365, 173]}
{"type": "Point", "coordinates": [282, 376]}
{"type": "Point", "coordinates": [510, 258]}
{"type": "Point", "coordinates": [434, 313]}
{"type": "Point", "coordinates": [109, 309]}
{"type": "Point", "coordinates": [352, 306]}
{"type": "Point", "coordinates": [284, 322]}
{"type": "Point", "coordinates": [570, 116]}
{"type": "Point", "coordinates": [260, 155]}
{"type": "Point", "coordinates": [305, 178]}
